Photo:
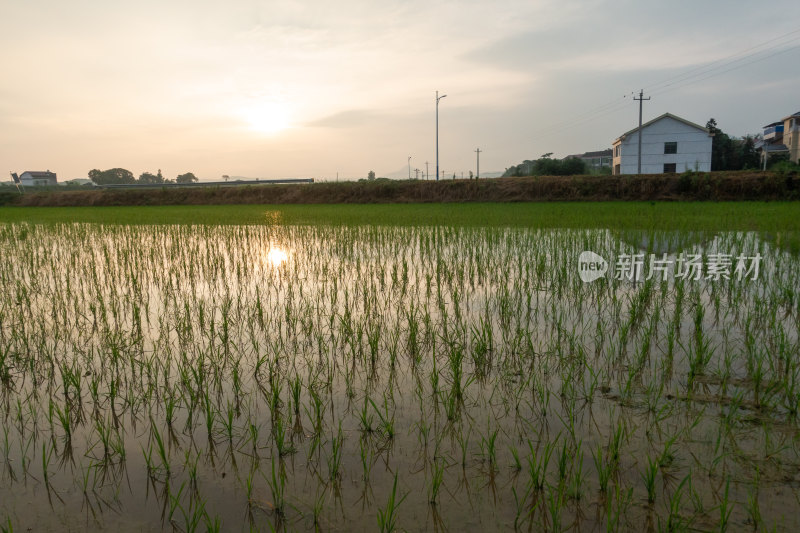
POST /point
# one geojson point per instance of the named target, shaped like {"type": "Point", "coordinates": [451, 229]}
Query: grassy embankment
{"type": "Point", "coordinates": [709, 216]}
{"type": "Point", "coordinates": [688, 186]}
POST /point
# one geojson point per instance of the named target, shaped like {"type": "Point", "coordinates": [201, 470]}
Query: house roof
{"type": "Point", "coordinates": [40, 173]}
{"type": "Point", "coordinates": [587, 155]}
{"type": "Point", "coordinates": [790, 116]}
{"type": "Point", "coordinates": [599, 153]}
{"type": "Point", "coordinates": [775, 148]}
{"type": "Point", "coordinates": [665, 115]}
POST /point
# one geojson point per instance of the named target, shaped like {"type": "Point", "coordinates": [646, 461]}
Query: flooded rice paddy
{"type": "Point", "coordinates": [441, 379]}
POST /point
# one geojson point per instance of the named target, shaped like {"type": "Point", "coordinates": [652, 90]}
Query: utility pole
{"type": "Point", "coordinates": [426, 170]}
{"type": "Point", "coordinates": [640, 100]}
{"type": "Point", "coordinates": [478, 173]}
{"type": "Point", "coordinates": [437, 132]}
{"type": "Point", "coordinates": [409, 167]}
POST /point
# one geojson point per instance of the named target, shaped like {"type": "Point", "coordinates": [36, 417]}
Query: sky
{"type": "Point", "coordinates": [276, 89]}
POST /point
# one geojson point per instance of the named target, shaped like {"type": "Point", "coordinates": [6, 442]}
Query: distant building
{"type": "Point", "coordinates": [78, 181]}
{"type": "Point", "coordinates": [782, 137]}
{"type": "Point", "coordinates": [595, 160]}
{"type": "Point", "coordinates": [34, 178]}
{"type": "Point", "coordinates": [669, 144]}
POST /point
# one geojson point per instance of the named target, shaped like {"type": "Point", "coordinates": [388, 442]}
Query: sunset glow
{"type": "Point", "coordinates": [304, 89]}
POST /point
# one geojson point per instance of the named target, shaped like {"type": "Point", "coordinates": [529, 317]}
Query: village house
{"type": "Point", "coordinates": [782, 137]}
{"type": "Point", "coordinates": [594, 160]}
{"type": "Point", "coordinates": [669, 144]}
{"type": "Point", "coordinates": [35, 178]}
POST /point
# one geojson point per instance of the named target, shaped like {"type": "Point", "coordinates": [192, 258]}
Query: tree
{"type": "Point", "coordinates": [186, 178]}
{"type": "Point", "coordinates": [573, 166]}
{"type": "Point", "coordinates": [112, 176]}
{"type": "Point", "coordinates": [720, 147]}
{"type": "Point", "coordinates": [545, 166]}
{"type": "Point", "coordinates": [731, 153]}
{"type": "Point", "coordinates": [147, 178]}
{"type": "Point", "coordinates": [750, 158]}
{"type": "Point", "coordinates": [371, 175]}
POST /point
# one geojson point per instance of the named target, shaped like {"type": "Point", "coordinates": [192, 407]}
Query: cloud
{"type": "Point", "coordinates": [181, 78]}
{"type": "Point", "coordinates": [348, 119]}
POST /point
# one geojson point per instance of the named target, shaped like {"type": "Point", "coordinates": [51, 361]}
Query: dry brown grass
{"type": "Point", "coordinates": [715, 186]}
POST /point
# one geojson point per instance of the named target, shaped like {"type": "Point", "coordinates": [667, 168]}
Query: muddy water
{"type": "Point", "coordinates": [475, 355]}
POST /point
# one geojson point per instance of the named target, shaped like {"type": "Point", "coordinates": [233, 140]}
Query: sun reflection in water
{"type": "Point", "coordinates": [276, 256]}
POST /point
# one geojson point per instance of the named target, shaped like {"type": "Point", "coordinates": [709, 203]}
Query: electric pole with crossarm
{"type": "Point", "coordinates": [640, 100]}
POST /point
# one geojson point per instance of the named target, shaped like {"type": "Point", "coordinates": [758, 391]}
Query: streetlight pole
{"type": "Point", "coordinates": [437, 132]}
{"type": "Point", "coordinates": [426, 171]}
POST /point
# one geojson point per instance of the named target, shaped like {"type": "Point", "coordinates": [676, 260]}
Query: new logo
{"type": "Point", "coordinates": [591, 266]}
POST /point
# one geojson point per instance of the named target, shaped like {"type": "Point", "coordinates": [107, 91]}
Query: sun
{"type": "Point", "coordinates": [268, 118]}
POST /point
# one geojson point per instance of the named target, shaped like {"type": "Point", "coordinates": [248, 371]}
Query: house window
{"type": "Point", "coordinates": [669, 168]}
{"type": "Point", "coordinates": [616, 151]}
{"type": "Point", "coordinates": [616, 170]}
{"type": "Point", "coordinates": [670, 148]}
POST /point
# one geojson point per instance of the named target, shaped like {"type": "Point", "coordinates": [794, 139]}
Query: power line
{"type": "Point", "coordinates": [689, 73]}
{"type": "Point", "coordinates": [690, 82]}
{"type": "Point", "coordinates": [691, 76]}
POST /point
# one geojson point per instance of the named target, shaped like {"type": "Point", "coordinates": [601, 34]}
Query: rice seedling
{"type": "Point", "coordinates": [649, 478]}
{"type": "Point", "coordinates": [283, 446]}
{"type": "Point", "coordinates": [277, 484]}
{"type": "Point", "coordinates": [537, 464]}
{"type": "Point", "coordinates": [437, 476]}
{"type": "Point", "coordinates": [387, 516]}
{"type": "Point", "coordinates": [605, 468]}
{"type": "Point", "coordinates": [175, 339]}
{"type": "Point", "coordinates": [335, 457]}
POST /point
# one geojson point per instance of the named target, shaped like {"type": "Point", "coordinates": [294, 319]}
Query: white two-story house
{"type": "Point", "coordinates": [36, 178]}
{"type": "Point", "coordinates": [669, 144]}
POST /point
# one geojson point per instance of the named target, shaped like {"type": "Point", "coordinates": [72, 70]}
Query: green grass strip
{"type": "Point", "coordinates": [723, 216]}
